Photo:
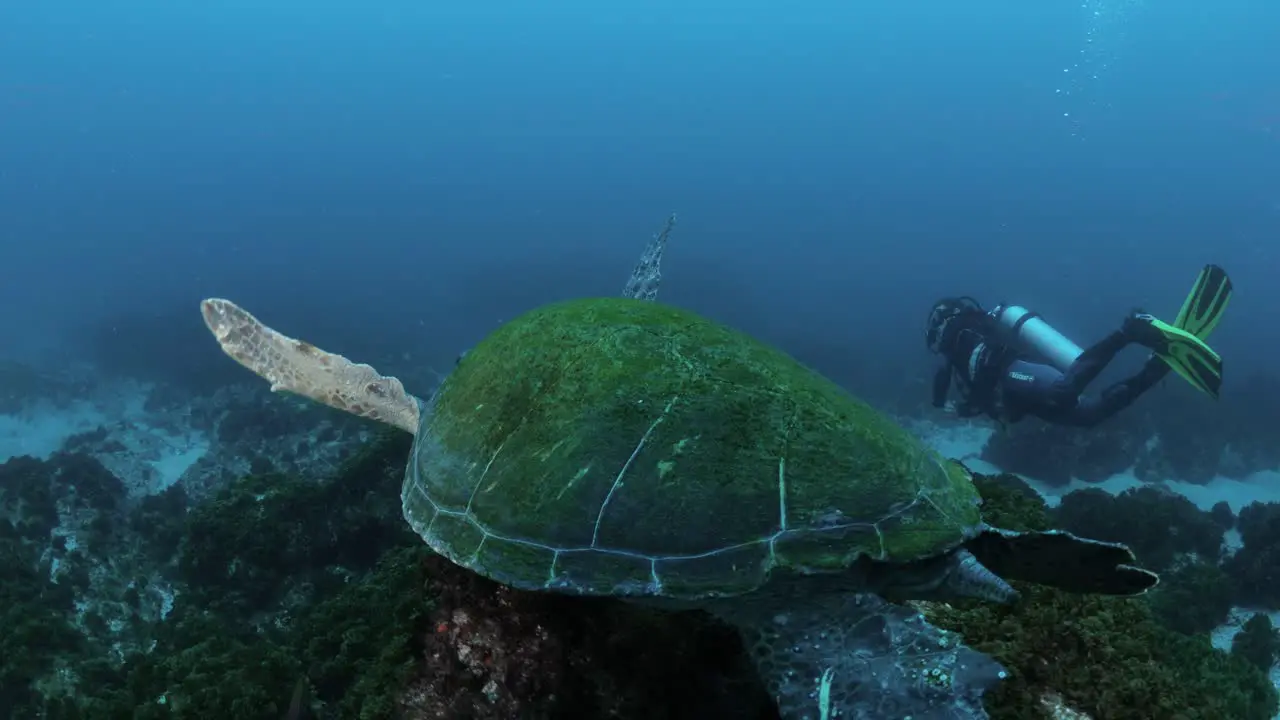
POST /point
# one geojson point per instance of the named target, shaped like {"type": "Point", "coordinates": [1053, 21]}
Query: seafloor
{"type": "Point", "coordinates": [235, 554]}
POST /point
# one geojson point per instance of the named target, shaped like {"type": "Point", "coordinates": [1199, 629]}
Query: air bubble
{"type": "Point", "coordinates": [1103, 41]}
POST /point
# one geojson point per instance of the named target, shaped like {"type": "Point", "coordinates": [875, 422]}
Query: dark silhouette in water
{"type": "Point", "coordinates": [1009, 363]}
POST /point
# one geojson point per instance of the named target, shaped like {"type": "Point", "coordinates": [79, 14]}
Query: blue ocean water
{"type": "Point", "coordinates": [359, 173]}
{"type": "Point", "coordinates": [394, 180]}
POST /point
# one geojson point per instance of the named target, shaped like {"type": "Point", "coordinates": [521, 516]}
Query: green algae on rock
{"type": "Point", "coordinates": [1107, 656]}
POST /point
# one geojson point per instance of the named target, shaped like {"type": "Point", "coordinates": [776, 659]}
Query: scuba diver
{"type": "Point", "coordinates": [1009, 363]}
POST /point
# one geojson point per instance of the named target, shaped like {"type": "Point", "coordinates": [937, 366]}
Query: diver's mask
{"type": "Point", "coordinates": [943, 312]}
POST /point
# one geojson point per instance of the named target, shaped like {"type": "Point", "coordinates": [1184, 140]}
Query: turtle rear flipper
{"type": "Point", "coordinates": [1062, 560]}
{"type": "Point", "coordinates": [647, 276]}
{"type": "Point", "coordinates": [302, 368]}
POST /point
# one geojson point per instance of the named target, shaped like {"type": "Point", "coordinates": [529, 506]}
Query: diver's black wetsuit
{"type": "Point", "coordinates": [994, 380]}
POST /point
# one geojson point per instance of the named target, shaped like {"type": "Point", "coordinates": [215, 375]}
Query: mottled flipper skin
{"type": "Point", "coordinates": [647, 276]}
{"type": "Point", "coordinates": [1062, 560]}
{"type": "Point", "coordinates": [299, 367]}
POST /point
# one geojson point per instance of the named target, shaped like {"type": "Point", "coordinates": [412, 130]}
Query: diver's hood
{"type": "Point", "coordinates": [940, 316]}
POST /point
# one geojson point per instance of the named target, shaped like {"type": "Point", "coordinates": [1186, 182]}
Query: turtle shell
{"type": "Point", "coordinates": [619, 447]}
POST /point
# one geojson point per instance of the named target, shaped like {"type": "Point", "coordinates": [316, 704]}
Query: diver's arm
{"type": "Point", "coordinates": [941, 385]}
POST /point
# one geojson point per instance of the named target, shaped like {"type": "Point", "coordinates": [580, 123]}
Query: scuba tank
{"type": "Point", "coordinates": [1030, 331]}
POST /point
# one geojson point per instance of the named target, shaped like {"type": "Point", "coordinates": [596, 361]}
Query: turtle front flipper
{"type": "Point", "coordinates": [647, 276]}
{"type": "Point", "coordinates": [851, 655]}
{"type": "Point", "coordinates": [1062, 560]}
{"type": "Point", "coordinates": [302, 368]}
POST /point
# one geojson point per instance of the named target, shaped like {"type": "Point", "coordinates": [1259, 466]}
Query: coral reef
{"type": "Point", "coordinates": [1193, 598]}
{"type": "Point", "coordinates": [1172, 435]}
{"type": "Point", "coordinates": [1222, 514]}
{"type": "Point", "coordinates": [58, 524]}
{"type": "Point", "coordinates": [1108, 657]}
{"type": "Point", "coordinates": [236, 431]}
{"type": "Point", "coordinates": [284, 586]}
{"type": "Point", "coordinates": [1159, 525]}
{"type": "Point", "coordinates": [150, 610]}
{"type": "Point", "coordinates": [223, 609]}
{"type": "Point", "coordinates": [1168, 534]}
{"type": "Point", "coordinates": [1255, 568]}
{"type": "Point", "coordinates": [1257, 642]}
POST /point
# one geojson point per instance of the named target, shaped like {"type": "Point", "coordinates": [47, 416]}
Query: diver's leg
{"type": "Point", "coordinates": [1035, 389]}
{"type": "Point", "coordinates": [1092, 410]}
{"type": "Point", "coordinates": [1136, 328]}
{"type": "Point", "coordinates": [1092, 361]}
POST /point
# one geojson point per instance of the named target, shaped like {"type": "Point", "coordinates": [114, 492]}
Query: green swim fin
{"type": "Point", "coordinates": [1206, 303]}
{"type": "Point", "coordinates": [1190, 357]}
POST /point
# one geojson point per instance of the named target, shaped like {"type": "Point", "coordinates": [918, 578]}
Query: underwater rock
{"type": "Point", "coordinates": [1169, 436]}
{"type": "Point", "coordinates": [1055, 454]}
{"type": "Point", "coordinates": [1257, 642]}
{"type": "Point", "coordinates": [1057, 709]}
{"type": "Point", "coordinates": [1193, 598]}
{"type": "Point", "coordinates": [40, 493]}
{"type": "Point", "coordinates": [258, 432]}
{"type": "Point", "coordinates": [491, 652]}
{"type": "Point", "coordinates": [221, 607]}
{"type": "Point", "coordinates": [206, 441]}
{"type": "Point", "coordinates": [1255, 568]}
{"type": "Point", "coordinates": [23, 386]}
{"type": "Point", "coordinates": [1223, 515]}
{"type": "Point", "coordinates": [1191, 458]}
{"type": "Point", "coordinates": [1159, 525]}
{"type": "Point", "coordinates": [1107, 657]}
{"type": "Point", "coordinates": [1253, 413]}
{"type": "Point", "coordinates": [1010, 502]}
{"type": "Point", "coordinates": [72, 591]}
{"type": "Point", "coordinates": [1188, 436]}
{"type": "Point", "coordinates": [278, 578]}
{"type": "Point", "coordinates": [1195, 441]}
{"type": "Point", "coordinates": [147, 458]}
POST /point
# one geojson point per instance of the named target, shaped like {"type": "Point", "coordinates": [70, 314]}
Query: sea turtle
{"type": "Point", "coordinates": [622, 447]}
